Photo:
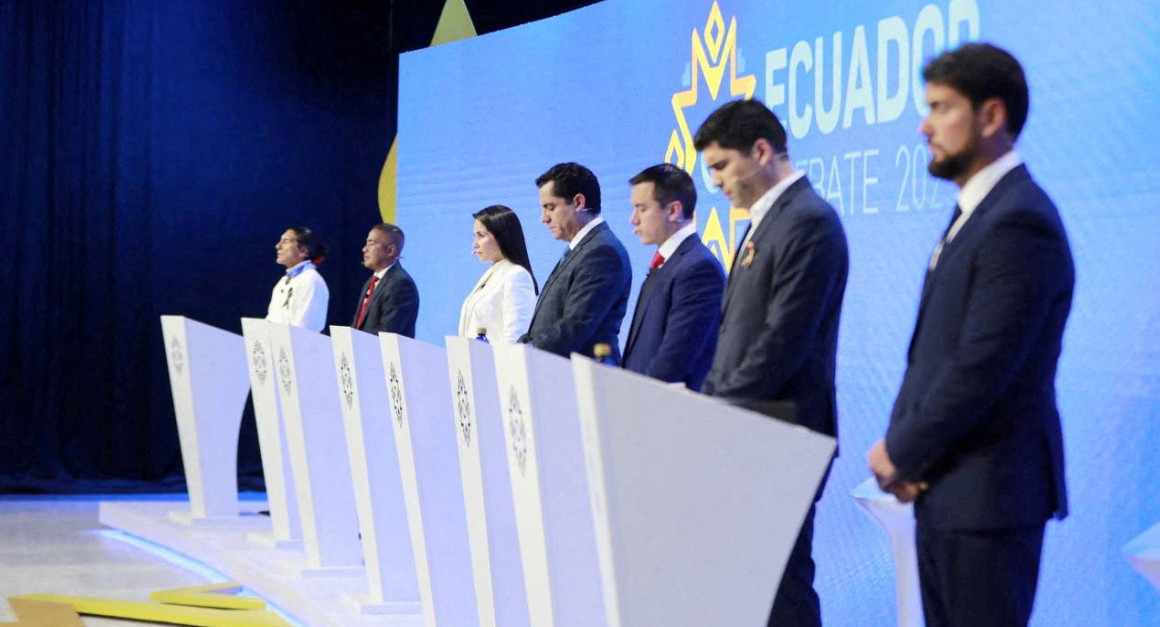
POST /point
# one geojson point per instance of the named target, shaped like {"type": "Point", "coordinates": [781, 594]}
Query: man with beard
{"type": "Point", "coordinates": [974, 437]}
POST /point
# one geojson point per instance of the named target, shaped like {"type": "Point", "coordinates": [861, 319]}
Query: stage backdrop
{"type": "Point", "coordinates": [622, 85]}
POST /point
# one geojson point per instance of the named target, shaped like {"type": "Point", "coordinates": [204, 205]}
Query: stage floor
{"type": "Point", "coordinates": [125, 549]}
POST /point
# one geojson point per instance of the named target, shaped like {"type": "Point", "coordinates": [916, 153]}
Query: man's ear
{"type": "Point", "coordinates": [762, 151]}
{"type": "Point", "coordinates": [992, 116]}
{"type": "Point", "coordinates": [674, 212]}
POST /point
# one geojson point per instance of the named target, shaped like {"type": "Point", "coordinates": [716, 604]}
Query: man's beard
{"type": "Point", "coordinates": [951, 168]}
{"type": "Point", "coordinates": [954, 166]}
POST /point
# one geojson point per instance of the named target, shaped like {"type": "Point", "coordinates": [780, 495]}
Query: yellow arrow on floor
{"type": "Point", "coordinates": [31, 613]}
{"type": "Point", "coordinates": [219, 595]}
{"type": "Point", "coordinates": [161, 613]}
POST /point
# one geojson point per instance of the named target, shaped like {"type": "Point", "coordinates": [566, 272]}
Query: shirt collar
{"type": "Point", "coordinates": [598, 220]}
{"type": "Point", "coordinates": [765, 203]}
{"type": "Point", "coordinates": [296, 270]}
{"type": "Point", "coordinates": [383, 272]}
{"type": "Point", "coordinates": [670, 245]}
{"type": "Point", "coordinates": [981, 184]}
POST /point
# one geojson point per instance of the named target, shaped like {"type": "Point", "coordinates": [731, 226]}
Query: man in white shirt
{"type": "Point", "coordinates": [975, 437]}
{"type": "Point", "coordinates": [674, 328]}
{"type": "Point", "coordinates": [779, 322]}
{"type": "Point", "coordinates": [585, 297]}
{"type": "Point", "coordinates": [300, 298]}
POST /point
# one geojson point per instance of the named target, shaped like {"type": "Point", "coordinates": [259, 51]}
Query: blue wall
{"type": "Point", "coordinates": [480, 119]}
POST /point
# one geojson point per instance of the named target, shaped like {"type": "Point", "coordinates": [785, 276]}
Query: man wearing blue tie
{"type": "Point", "coordinates": [585, 297]}
{"type": "Point", "coordinates": [975, 438]}
{"type": "Point", "coordinates": [674, 327]}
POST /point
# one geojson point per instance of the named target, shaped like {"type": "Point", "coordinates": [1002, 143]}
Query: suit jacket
{"type": "Point", "coordinates": [501, 302]}
{"type": "Point", "coordinates": [584, 299]}
{"type": "Point", "coordinates": [779, 322]}
{"type": "Point", "coordinates": [674, 327]}
{"type": "Point", "coordinates": [976, 415]}
{"type": "Point", "coordinates": [394, 305]}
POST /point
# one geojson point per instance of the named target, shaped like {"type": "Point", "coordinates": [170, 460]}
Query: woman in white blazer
{"type": "Point", "coordinates": [505, 296]}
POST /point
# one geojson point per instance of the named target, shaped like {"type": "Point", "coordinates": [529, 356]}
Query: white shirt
{"type": "Point", "coordinates": [584, 231]}
{"type": "Point", "coordinates": [973, 192]}
{"type": "Point", "coordinates": [670, 245]}
{"type": "Point", "coordinates": [765, 203]}
{"type": "Point", "coordinates": [502, 302]}
{"type": "Point", "coordinates": [981, 184]}
{"type": "Point", "coordinates": [300, 298]}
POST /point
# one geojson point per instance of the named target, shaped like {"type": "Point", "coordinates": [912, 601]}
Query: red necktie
{"type": "Point", "coordinates": [658, 261]}
{"type": "Point", "coordinates": [362, 311]}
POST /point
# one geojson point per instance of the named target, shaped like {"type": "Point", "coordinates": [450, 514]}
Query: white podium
{"type": "Point", "coordinates": [286, 530]}
{"type": "Point", "coordinates": [393, 587]}
{"type": "Point", "coordinates": [1144, 554]}
{"type": "Point", "coordinates": [897, 519]}
{"type": "Point", "coordinates": [550, 488]}
{"type": "Point", "coordinates": [207, 375]}
{"type": "Point", "coordinates": [417, 382]}
{"type": "Point", "coordinates": [697, 504]}
{"type": "Point", "coordinates": [314, 433]}
{"type": "Point", "coordinates": [487, 489]}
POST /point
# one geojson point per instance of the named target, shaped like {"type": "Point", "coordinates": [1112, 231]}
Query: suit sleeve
{"type": "Point", "coordinates": [519, 299]}
{"type": "Point", "coordinates": [694, 313]}
{"type": "Point", "coordinates": [803, 285]}
{"type": "Point", "coordinates": [1016, 274]}
{"type": "Point", "coordinates": [591, 295]}
{"type": "Point", "coordinates": [400, 309]}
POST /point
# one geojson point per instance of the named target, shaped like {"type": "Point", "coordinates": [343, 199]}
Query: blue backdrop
{"type": "Point", "coordinates": [620, 85]}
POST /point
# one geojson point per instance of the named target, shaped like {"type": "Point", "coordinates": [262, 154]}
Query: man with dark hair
{"type": "Point", "coordinates": [390, 300]}
{"type": "Point", "coordinates": [584, 299]}
{"type": "Point", "coordinates": [779, 323]}
{"type": "Point", "coordinates": [674, 327]}
{"type": "Point", "coordinates": [974, 437]}
{"type": "Point", "coordinates": [300, 298]}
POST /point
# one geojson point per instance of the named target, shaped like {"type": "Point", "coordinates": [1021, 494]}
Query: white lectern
{"type": "Point", "coordinates": [382, 514]}
{"type": "Point", "coordinates": [207, 375]}
{"type": "Point", "coordinates": [1144, 554]}
{"type": "Point", "coordinates": [416, 380]}
{"type": "Point", "coordinates": [697, 503]}
{"type": "Point", "coordinates": [550, 488]}
{"type": "Point", "coordinates": [314, 432]}
{"type": "Point", "coordinates": [487, 489]}
{"type": "Point", "coordinates": [286, 530]}
{"type": "Point", "coordinates": [897, 519]}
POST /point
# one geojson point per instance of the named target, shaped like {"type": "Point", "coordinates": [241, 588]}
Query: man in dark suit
{"type": "Point", "coordinates": [390, 301]}
{"type": "Point", "coordinates": [783, 299]}
{"type": "Point", "coordinates": [974, 437]}
{"type": "Point", "coordinates": [674, 328]}
{"type": "Point", "coordinates": [584, 299]}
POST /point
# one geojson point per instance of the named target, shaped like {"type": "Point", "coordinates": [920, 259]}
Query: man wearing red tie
{"type": "Point", "coordinates": [389, 301]}
{"type": "Point", "coordinates": [674, 327]}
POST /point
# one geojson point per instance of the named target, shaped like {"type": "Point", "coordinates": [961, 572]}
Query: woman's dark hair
{"type": "Point", "coordinates": [315, 250]}
{"type": "Point", "coordinates": [504, 226]}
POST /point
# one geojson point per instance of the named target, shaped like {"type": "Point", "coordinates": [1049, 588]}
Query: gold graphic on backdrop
{"type": "Point", "coordinates": [454, 24]}
{"type": "Point", "coordinates": [712, 52]}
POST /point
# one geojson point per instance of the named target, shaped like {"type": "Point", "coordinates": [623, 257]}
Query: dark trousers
{"type": "Point", "coordinates": [796, 603]}
{"type": "Point", "coordinates": [978, 577]}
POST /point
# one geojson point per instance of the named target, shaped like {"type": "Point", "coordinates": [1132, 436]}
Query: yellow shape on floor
{"type": "Point", "coordinates": [219, 595]}
{"type": "Point", "coordinates": [31, 613]}
{"type": "Point", "coordinates": [162, 613]}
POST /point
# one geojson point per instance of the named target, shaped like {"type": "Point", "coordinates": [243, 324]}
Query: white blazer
{"type": "Point", "coordinates": [502, 302]}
